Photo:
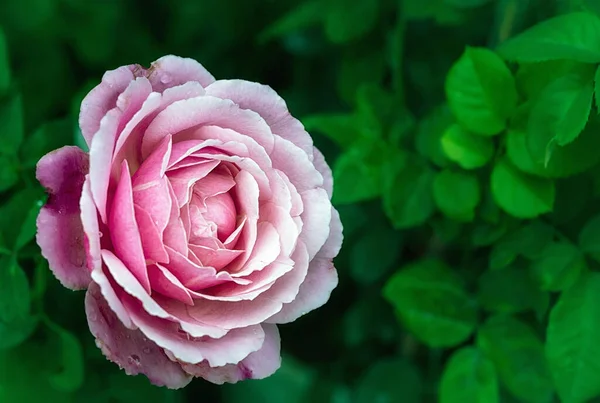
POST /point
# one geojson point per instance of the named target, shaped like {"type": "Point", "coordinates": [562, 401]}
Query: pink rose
{"type": "Point", "coordinates": [199, 220]}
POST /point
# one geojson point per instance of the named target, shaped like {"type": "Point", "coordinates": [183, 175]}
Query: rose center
{"type": "Point", "coordinates": [213, 217]}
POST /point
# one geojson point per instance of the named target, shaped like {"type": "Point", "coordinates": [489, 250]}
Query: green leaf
{"type": "Point", "coordinates": [468, 150]}
{"type": "Point", "coordinates": [9, 174]}
{"type": "Point", "coordinates": [14, 213]}
{"type": "Point", "coordinates": [390, 380]}
{"type": "Point", "coordinates": [11, 125]}
{"type": "Point", "coordinates": [357, 69]}
{"type": "Point", "coordinates": [469, 377]}
{"type": "Point", "coordinates": [597, 88]}
{"type": "Point", "coordinates": [429, 133]}
{"type": "Point", "coordinates": [4, 64]}
{"type": "Point", "coordinates": [361, 326]}
{"type": "Point", "coordinates": [572, 346]}
{"type": "Point", "coordinates": [70, 376]}
{"type": "Point", "coordinates": [457, 194]}
{"type": "Point", "coordinates": [574, 36]}
{"type": "Point", "coordinates": [341, 128]}
{"type": "Point", "coordinates": [592, 6]}
{"type": "Point", "coordinates": [481, 91]}
{"type": "Point", "coordinates": [378, 241]}
{"type": "Point", "coordinates": [485, 234]}
{"type": "Point", "coordinates": [466, 3]}
{"type": "Point", "coordinates": [558, 266]}
{"type": "Point", "coordinates": [589, 238]}
{"type": "Point", "coordinates": [533, 78]}
{"type": "Point", "coordinates": [528, 240]}
{"type": "Point", "coordinates": [432, 303]}
{"type": "Point", "coordinates": [562, 109]}
{"type": "Point", "coordinates": [28, 227]}
{"type": "Point", "coordinates": [16, 324]}
{"type": "Point", "coordinates": [345, 22]}
{"type": "Point", "coordinates": [407, 193]}
{"type": "Point", "coordinates": [519, 194]}
{"type": "Point", "coordinates": [49, 136]}
{"type": "Point", "coordinates": [510, 290]}
{"type": "Point", "coordinates": [518, 356]}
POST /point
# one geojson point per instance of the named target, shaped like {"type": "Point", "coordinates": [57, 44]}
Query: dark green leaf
{"type": "Point", "coordinates": [378, 241]}
{"type": "Point", "coordinates": [468, 150]}
{"type": "Point", "coordinates": [17, 217]}
{"type": "Point", "coordinates": [345, 21]}
{"type": "Point", "coordinates": [589, 238]}
{"type": "Point", "coordinates": [519, 194]}
{"type": "Point", "coordinates": [306, 14]}
{"type": "Point", "coordinates": [407, 192]}
{"type": "Point", "coordinates": [572, 346]}
{"type": "Point", "coordinates": [574, 36]}
{"type": "Point", "coordinates": [456, 194]}
{"type": "Point", "coordinates": [518, 355]}
{"type": "Point", "coordinates": [11, 125]}
{"type": "Point", "coordinates": [558, 266]}
{"type": "Point", "coordinates": [9, 175]}
{"type": "Point", "coordinates": [4, 65]}
{"type": "Point", "coordinates": [469, 377]}
{"type": "Point", "coordinates": [50, 136]}
{"type": "Point", "coordinates": [529, 241]}
{"type": "Point", "coordinates": [432, 303]}
{"type": "Point", "coordinates": [341, 128]}
{"type": "Point", "coordinates": [390, 380]}
{"type": "Point", "coordinates": [429, 134]}
{"type": "Point", "coordinates": [358, 69]}
{"type": "Point", "coordinates": [70, 376]}
{"type": "Point", "coordinates": [481, 91]}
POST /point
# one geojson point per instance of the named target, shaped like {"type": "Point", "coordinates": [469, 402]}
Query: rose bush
{"type": "Point", "coordinates": [198, 221]}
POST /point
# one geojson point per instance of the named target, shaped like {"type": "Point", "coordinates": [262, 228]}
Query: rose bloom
{"type": "Point", "coordinates": [198, 221]}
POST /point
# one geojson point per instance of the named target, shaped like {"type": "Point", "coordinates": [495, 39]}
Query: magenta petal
{"type": "Point", "coordinates": [91, 230]}
{"type": "Point", "coordinates": [152, 242]}
{"type": "Point", "coordinates": [257, 365]}
{"type": "Point", "coordinates": [110, 295]}
{"type": "Point", "coordinates": [267, 103]}
{"type": "Point", "coordinates": [103, 98]}
{"type": "Point", "coordinates": [324, 170]}
{"type": "Point", "coordinates": [59, 228]}
{"type": "Point", "coordinates": [130, 349]}
{"type": "Point", "coordinates": [170, 71]}
{"type": "Point", "coordinates": [164, 282]}
{"type": "Point", "coordinates": [124, 231]}
{"type": "Point", "coordinates": [315, 291]}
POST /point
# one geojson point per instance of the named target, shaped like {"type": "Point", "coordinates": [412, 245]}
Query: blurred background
{"type": "Point", "coordinates": [365, 76]}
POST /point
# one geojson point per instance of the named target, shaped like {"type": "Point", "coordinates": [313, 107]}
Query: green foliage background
{"type": "Point", "coordinates": [465, 143]}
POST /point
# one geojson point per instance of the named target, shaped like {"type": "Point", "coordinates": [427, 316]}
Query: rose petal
{"type": "Point", "coordinates": [324, 170]}
{"type": "Point", "coordinates": [170, 71]}
{"type": "Point", "coordinates": [295, 163]}
{"type": "Point", "coordinates": [59, 228]}
{"type": "Point", "coordinates": [91, 229]}
{"type": "Point", "coordinates": [258, 365]}
{"type": "Point", "coordinates": [182, 179]}
{"type": "Point", "coordinates": [164, 282]}
{"type": "Point", "coordinates": [315, 218]}
{"type": "Point", "coordinates": [267, 103]}
{"type": "Point", "coordinates": [332, 246]}
{"type": "Point", "coordinates": [129, 348]}
{"type": "Point", "coordinates": [108, 292]}
{"type": "Point", "coordinates": [217, 258]}
{"type": "Point", "coordinates": [124, 232]}
{"type": "Point", "coordinates": [152, 242]}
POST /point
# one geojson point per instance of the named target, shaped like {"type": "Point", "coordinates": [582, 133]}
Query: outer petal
{"type": "Point", "coordinates": [103, 98]}
{"type": "Point", "coordinates": [59, 228]}
{"type": "Point", "coordinates": [264, 100]}
{"type": "Point", "coordinates": [129, 348]}
{"type": "Point", "coordinates": [324, 170]}
{"type": "Point", "coordinates": [258, 365]}
{"type": "Point", "coordinates": [170, 71]}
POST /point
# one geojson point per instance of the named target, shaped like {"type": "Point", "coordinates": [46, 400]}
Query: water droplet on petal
{"type": "Point", "coordinates": [100, 234]}
{"type": "Point", "coordinates": [165, 78]}
{"type": "Point", "coordinates": [134, 360]}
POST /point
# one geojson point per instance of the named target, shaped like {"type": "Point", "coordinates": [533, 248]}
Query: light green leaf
{"type": "Point", "coordinates": [532, 78]}
{"type": "Point", "coordinates": [306, 14]}
{"type": "Point", "coordinates": [16, 323]}
{"type": "Point", "coordinates": [70, 376]}
{"type": "Point", "coordinates": [574, 36]}
{"type": "Point", "coordinates": [407, 193]}
{"type": "Point", "coordinates": [344, 129]}
{"type": "Point", "coordinates": [429, 133]}
{"type": "Point", "coordinates": [390, 380]}
{"type": "Point", "coordinates": [518, 356]}
{"type": "Point", "coordinates": [562, 109]}
{"type": "Point", "coordinates": [519, 194]}
{"type": "Point", "coordinates": [345, 21]}
{"type": "Point", "coordinates": [11, 125]}
{"type": "Point", "coordinates": [572, 346]}
{"type": "Point", "coordinates": [4, 64]}
{"type": "Point", "coordinates": [469, 377]}
{"type": "Point", "coordinates": [481, 91]}
{"type": "Point", "coordinates": [456, 194]}
{"type": "Point", "coordinates": [510, 290]}
{"type": "Point", "coordinates": [470, 151]}
{"type": "Point", "coordinates": [558, 266]}
{"type": "Point", "coordinates": [432, 303]}
{"type": "Point", "coordinates": [378, 241]}
{"type": "Point", "coordinates": [589, 238]}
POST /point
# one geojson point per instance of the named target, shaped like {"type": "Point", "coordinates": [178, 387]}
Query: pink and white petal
{"type": "Point", "coordinates": [102, 99]}
{"type": "Point", "coordinates": [280, 191]}
{"type": "Point", "coordinates": [332, 246]}
{"type": "Point", "coordinates": [258, 365]}
{"type": "Point", "coordinates": [266, 249]}
{"type": "Point", "coordinates": [234, 237]}
{"type": "Point", "coordinates": [170, 71]}
{"type": "Point", "coordinates": [107, 288]}
{"type": "Point", "coordinates": [217, 258]}
{"type": "Point", "coordinates": [183, 149]}
{"type": "Point", "coordinates": [206, 111]}
{"type": "Point", "coordinates": [91, 229]}
{"type": "Point", "coordinates": [314, 292]}
{"type": "Point", "coordinates": [296, 164]}
{"type": "Point", "coordinates": [297, 205]}
{"type": "Point", "coordinates": [231, 348]}
{"type": "Point", "coordinates": [164, 282]}
{"type": "Point", "coordinates": [230, 315]}
{"type": "Point", "coordinates": [284, 225]}
{"type": "Point", "coordinates": [101, 151]}
{"type": "Point", "coordinates": [183, 179]}
{"type": "Point", "coordinates": [174, 235]}
{"type": "Point", "coordinates": [152, 239]}
{"type": "Point", "coordinates": [218, 182]}
{"type": "Point", "coordinates": [130, 349]}
{"type": "Point", "coordinates": [267, 103]}
{"type": "Point", "coordinates": [124, 232]}
{"type": "Point", "coordinates": [155, 165]}
{"type": "Point", "coordinates": [324, 170]}
{"type": "Point", "coordinates": [60, 232]}
{"type": "Point", "coordinates": [316, 219]}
